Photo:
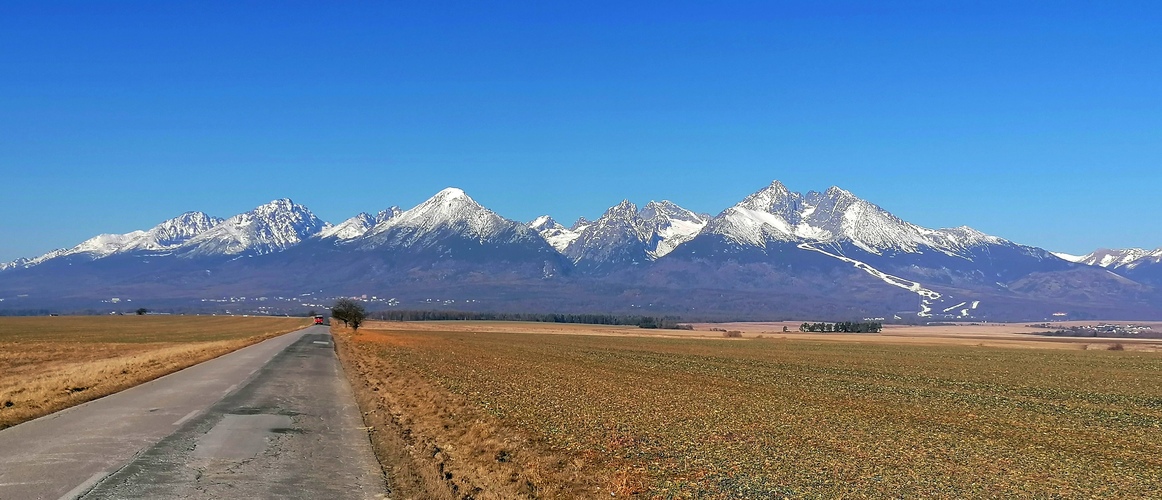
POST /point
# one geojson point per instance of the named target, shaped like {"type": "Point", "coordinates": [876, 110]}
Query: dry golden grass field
{"type": "Point", "coordinates": [504, 410]}
{"type": "Point", "coordinates": [51, 363]}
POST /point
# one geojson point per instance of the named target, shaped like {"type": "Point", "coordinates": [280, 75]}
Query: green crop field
{"type": "Point", "coordinates": [771, 418]}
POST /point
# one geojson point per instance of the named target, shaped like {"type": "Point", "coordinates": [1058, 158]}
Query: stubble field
{"type": "Point", "coordinates": [51, 363]}
{"type": "Point", "coordinates": [504, 415]}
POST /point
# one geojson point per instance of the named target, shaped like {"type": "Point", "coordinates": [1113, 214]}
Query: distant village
{"type": "Point", "coordinates": [1107, 330]}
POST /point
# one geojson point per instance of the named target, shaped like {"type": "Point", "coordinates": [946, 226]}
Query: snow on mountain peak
{"type": "Point", "coordinates": [625, 209]}
{"type": "Point", "coordinates": [386, 214]}
{"type": "Point", "coordinates": [451, 211]}
{"type": "Point", "coordinates": [669, 225]}
{"type": "Point", "coordinates": [543, 222]}
{"type": "Point", "coordinates": [581, 224]}
{"type": "Point", "coordinates": [668, 210]}
{"type": "Point", "coordinates": [768, 214]}
{"type": "Point", "coordinates": [1125, 258]}
{"type": "Point", "coordinates": [772, 199]}
{"type": "Point", "coordinates": [834, 216]}
{"type": "Point", "coordinates": [268, 228]}
{"type": "Point", "coordinates": [358, 225]}
{"type": "Point", "coordinates": [163, 237]}
{"type": "Point", "coordinates": [965, 236]}
{"type": "Point", "coordinates": [451, 193]}
{"type": "Point", "coordinates": [625, 233]}
{"type": "Point", "coordinates": [838, 192]}
{"type": "Point", "coordinates": [556, 235]}
{"type": "Point", "coordinates": [348, 229]}
{"type": "Point", "coordinates": [180, 229]}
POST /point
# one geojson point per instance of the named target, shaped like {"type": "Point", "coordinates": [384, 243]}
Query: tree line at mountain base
{"type": "Point", "coordinates": [665, 322]}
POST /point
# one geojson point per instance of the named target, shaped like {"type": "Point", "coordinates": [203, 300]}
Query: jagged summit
{"type": "Point", "coordinates": [388, 213]}
{"type": "Point", "coordinates": [180, 229]}
{"type": "Point", "coordinates": [626, 234]}
{"type": "Point", "coordinates": [557, 236]}
{"type": "Point", "coordinates": [268, 228]}
{"type": "Point", "coordinates": [835, 216]}
{"type": "Point", "coordinates": [1125, 258]}
{"type": "Point", "coordinates": [774, 247]}
{"type": "Point", "coordinates": [544, 222]}
{"type": "Point", "coordinates": [164, 237]}
{"type": "Point", "coordinates": [348, 229]}
{"type": "Point", "coordinates": [358, 225]}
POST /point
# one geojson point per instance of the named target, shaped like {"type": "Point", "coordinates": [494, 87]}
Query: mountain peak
{"type": "Point", "coordinates": [776, 185]}
{"type": "Point", "coordinates": [387, 213]}
{"type": "Point", "coordinates": [348, 229]}
{"type": "Point", "coordinates": [838, 192]}
{"type": "Point", "coordinates": [624, 234]}
{"type": "Point", "coordinates": [543, 222]}
{"type": "Point", "coordinates": [557, 236]}
{"type": "Point", "coordinates": [277, 204]}
{"type": "Point", "coordinates": [659, 204]}
{"type": "Point", "coordinates": [450, 193]}
{"type": "Point", "coordinates": [773, 198]}
{"type": "Point", "coordinates": [450, 211]}
{"type": "Point", "coordinates": [622, 210]}
{"type": "Point", "coordinates": [1121, 258]}
{"type": "Point", "coordinates": [271, 227]}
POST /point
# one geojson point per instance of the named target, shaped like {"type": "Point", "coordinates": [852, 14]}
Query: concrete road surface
{"type": "Point", "coordinates": [273, 420]}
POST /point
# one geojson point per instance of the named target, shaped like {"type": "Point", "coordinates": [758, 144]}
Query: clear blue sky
{"type": "Point", "coordinates": [1040, 122]}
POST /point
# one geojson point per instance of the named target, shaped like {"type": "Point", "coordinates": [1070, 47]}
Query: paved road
{"type": "Point", "coordinates": [273, 420]}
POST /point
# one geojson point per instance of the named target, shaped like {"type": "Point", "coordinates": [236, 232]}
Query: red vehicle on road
{"type": "Point", "coordinates": [318, 319]}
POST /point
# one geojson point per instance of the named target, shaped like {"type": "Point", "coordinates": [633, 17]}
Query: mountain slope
{"type": "Point", "coordinates": [1127, 258]}
{"type": "Point", "coordinates": [1135, 263]}
{"type": "Point", "coordinates": [356, 226]}
{"type": "Point", "coordinates": [556, 235]}
{"type": "Point", "coordinates": [774, 254]}
{"type": "Point", "coordinates": [165, 237]}
{"type": "Point", "coordinates": [626, 235]}
{"type": "Point", "coordinates": [268, 228]}
{"type": "Point", "coordinates": [451, 213]}
{"type": "Point", "coordinates": [947, 269]}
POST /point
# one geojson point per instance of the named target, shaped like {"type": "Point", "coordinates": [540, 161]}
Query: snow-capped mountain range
{"type": "Point", "coordinates": [165, 237]}
{"type": "Point", "coordinates": [1128, 258]}
{"type": "Point", "coordinates": [449, 213]}
{"type": "Point", "coordinates": [813, 236]}
{"type": "Point", "coordinates": [623, 233]}
{"type": "Point", "coordinates": [775, 214]}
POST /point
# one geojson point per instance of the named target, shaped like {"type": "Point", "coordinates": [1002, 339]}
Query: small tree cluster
{"type": "Point", "coordinates": [350, 312]}
{"type": "Point", "coordinates": [843, 327]}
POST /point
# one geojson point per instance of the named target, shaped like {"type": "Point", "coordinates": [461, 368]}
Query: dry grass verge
{"type": "Point", "coordinates": [519, 415]}
{"type": "Point", "coordinates": [51, 363]}
{"type": "Point", "coordinates": [434, 444]}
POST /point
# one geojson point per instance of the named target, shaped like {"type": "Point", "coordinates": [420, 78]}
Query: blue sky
{"type": "Point", "coordinates": [1040, 122]}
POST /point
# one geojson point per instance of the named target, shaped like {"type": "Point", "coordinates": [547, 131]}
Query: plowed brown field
{"type": "Point", "coordinates": [478, 409]}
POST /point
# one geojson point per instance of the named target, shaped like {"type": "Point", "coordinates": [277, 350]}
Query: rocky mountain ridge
{"type": "Point", "coordinates": [788, 241]}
